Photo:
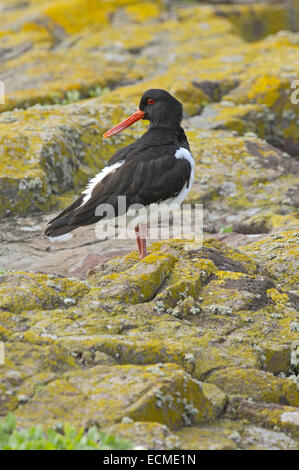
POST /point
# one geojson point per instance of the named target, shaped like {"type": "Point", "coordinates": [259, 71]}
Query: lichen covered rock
{"type": "Point", "coordinates": [145, 360]}
{"type": "Point", "coordinates": [54, 58]}
{"type": "Point", "coordinates": [50, 150]}
{"type": "Point", "coordinates": [158, 393]}
{"type": "Point", "coordinates": [145, 434]}
{"type": "Point", "coordinates": [258, 385]}
{"type": "Point", "coordinates": [196, 346]}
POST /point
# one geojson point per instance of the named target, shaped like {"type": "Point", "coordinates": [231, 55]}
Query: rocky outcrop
{"type": "Point", "coordinates": [55, 146]}
{"type": "Point", "coordinates": [180, 339]}
{"type": "Point", "coordinates": [197, 345]}
{"type": "Point", "coordinates": [49, 151]}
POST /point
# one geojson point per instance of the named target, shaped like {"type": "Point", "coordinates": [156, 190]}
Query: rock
{"type": "Point", "coordinates": [63, 143]}
{"type": "Point", "coordinates": [25, 291]}
{"type": "Point", "coordinates": [215, 395]}
{"type": "Point", "coordinates": [232, 435]}
{"type": "Point", "coordinates": [104, 339]}
{"type": "Point", "coordinates": [160, 393]}
{"type": "Point", "coordinates": [49, 59]}
{"type": "Point", "coordinates": [277, 417]}
{"type": "Point", "coordinates": [205, 439]}
{"type": "Point", "coordinates": [146, 435]}
{"type": "Point", "coordinates": [62, 148]}
{"type": "Point", "coordinates": [197, 345]}
{"type": "Point", "coordinates": [230, 194]}
{"type": "Point", "coordinates": [262, 439]}
{"type": "Point", "coordinates": [275, 248]}
{"type": "Point", "coordinates": [277, 358]}
{"type": "Point", "coordinates": [255, 21]}
{"type": "Point", "coordinates": [139, 283]}
{"type": "Point", "coordinates": [258, 385]}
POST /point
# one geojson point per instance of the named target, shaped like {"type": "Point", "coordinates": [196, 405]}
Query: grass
{"type": "Point", "coordinates": [226, 230]}
{"type": "Point", "coordinates": [72, 96]}
{"type": "Point", "coordinates": [61, 438]}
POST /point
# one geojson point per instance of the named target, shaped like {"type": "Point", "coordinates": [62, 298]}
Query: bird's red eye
{"type": "Point", "coordinates": [150, 101]}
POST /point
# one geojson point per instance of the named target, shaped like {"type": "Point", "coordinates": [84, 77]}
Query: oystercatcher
{"type": "Point", "coordinates": [157, 168]}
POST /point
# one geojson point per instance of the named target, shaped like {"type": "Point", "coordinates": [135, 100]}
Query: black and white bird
{"type": "Point", "coordinates": [157, 168]}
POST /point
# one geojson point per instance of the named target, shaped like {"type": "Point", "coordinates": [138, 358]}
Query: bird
{"type": "Point", "coordinates": [157, 168]}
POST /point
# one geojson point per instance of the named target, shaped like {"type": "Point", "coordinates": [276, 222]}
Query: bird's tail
{"type": "Point", "coordinates": [62, 223]}
{"type": "Point", "coordinates": [59, 227]}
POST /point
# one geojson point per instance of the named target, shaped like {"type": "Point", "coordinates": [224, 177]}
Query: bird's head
{"type": "Point", "coordinates": [157, 106]}
{"type": "Point", "coordinates": [161, 108]}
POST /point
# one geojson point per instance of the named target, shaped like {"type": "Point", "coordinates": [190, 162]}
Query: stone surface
{"type": "Point", "coordinates": [146, 435]}
{"type": "Point", "coordinates": [50, 150]}
{"type": "Point", "coordinates": [258, 385]}
{"type": "Point", "coordinates": [195, 347]}
{"type": "Point", "coordinates": [93, 341]}
{"type": "Point", "coordinates": [104, 395]}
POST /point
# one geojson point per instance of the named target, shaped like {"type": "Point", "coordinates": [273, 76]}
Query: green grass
{"type": "Point", "coordinates": [61, 438]}
{"type": "Point", "coordinates": [72, 96]}
{"type": "Point", "coordinates": [226, 229]}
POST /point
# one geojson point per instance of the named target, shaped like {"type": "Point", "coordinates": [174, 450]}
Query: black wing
{"type": "Point", "coordinates": [142, 180]}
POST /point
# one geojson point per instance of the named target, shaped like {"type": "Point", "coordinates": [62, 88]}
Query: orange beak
{"type": "Point", "coordinates": [124, 124]}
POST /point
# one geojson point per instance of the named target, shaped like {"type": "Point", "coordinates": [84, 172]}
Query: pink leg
{"type": "Point", "coordinates": [143, 234]}
{"type": "Point", "coordinates": [138, 241]}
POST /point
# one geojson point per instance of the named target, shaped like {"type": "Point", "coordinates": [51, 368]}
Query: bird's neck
{"type": "Point", "coordinates": [173, 134]}
{"type": "Point", "coordinates": [158, 124]}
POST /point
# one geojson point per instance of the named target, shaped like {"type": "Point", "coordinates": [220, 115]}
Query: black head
{"type": "Point", "coordinates": [157, 106]}
{"type": "Point", "coordinates": [161, 108]}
